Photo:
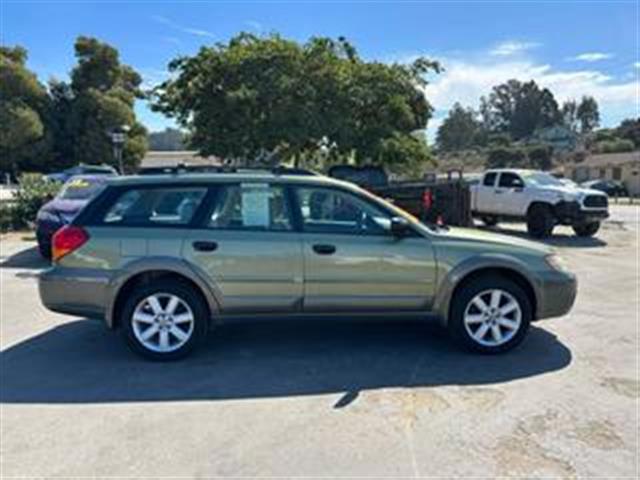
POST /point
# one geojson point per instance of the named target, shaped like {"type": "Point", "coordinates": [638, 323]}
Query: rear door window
{"type": "Point", "coordinates": [489, 179]}
{"type": "Point", "coordinates": [251, 206]}
{"type": "Point", "coordinates": [510, 180]}
{"type": "Point", "coordinates": [155, 206]}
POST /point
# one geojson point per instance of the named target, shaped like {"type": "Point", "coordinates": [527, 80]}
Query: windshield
{"type": "Point", "coordinates": [80, 189]}
{"type": "Point", "coordinates": [541, 179]}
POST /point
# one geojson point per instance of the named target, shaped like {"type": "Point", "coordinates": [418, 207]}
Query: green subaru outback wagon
{"type": "Point", "coordinates": [164, 259]}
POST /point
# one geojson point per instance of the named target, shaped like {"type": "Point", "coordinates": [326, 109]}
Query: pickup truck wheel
{"type": "Point", "coordinates": [540, 221]}
{"type": "Point", "coordinates": [164, 321]}
{"type": "Point", "coordinates": [490, 314]}
{"type": "Point", "coordinates": [489, 221]}
{"type": "Point", "coordinates": [586, 229]}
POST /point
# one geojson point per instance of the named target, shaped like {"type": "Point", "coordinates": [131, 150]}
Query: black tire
{"type": "Point", "coordinates": [188, 295]}
{"type": "Point", "coordinates": [463, 297]}
{"type": "Point", "coordinates": [540, 221]}
{"type": "Point", "coordinates": [489, 221]}
{"type": "Point", "coordinates": [586, 229]}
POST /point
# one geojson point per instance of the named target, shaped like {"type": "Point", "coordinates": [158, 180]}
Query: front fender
{"type": "Point", "coordinates": [477, 263]}
{"type": "Point", "coordinates": [169, 264]}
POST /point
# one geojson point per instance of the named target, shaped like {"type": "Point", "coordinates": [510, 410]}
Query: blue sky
{"type": "Point", "coordinates": [574, 48]}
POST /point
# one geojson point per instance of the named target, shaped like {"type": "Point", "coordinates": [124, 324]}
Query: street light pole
{"type": "Point", "coordinates": [118, 139]}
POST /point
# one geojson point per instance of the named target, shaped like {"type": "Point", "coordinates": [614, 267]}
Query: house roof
{"type": "Point", "coordinates": [610, 159]}
{"type": "Point", "coordinates": [172, 159]}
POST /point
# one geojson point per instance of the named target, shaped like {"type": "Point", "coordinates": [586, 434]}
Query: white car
{"type": "Point", "coordinates": [540, 199]}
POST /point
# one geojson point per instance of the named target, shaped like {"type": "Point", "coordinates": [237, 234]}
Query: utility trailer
{"type": "Point", "coordinates": [434, 199]}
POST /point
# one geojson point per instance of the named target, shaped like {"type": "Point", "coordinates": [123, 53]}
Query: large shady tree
{"type": "Point", "coordinates": [24, 106]}
{"type": "Point", "coordinates": [99, 98]}
{"type": "Point", "coordinates": [271, 97]}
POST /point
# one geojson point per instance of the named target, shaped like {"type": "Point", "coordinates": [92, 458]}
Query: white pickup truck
{"type": "Point", "coordinates": [540, 199]}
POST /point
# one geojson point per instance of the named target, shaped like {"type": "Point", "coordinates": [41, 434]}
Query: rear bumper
{"type": "Point", "coordinates": [557, 294]}
{"type": "Point", "coordinates": [72, 291]}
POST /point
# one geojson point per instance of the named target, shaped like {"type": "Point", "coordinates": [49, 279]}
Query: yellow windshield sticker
{"type": "Point", "coordinates": [78, 183]}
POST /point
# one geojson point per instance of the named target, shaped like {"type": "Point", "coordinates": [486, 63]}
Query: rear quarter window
{"type": "Point", "coordinates": [153, 206]}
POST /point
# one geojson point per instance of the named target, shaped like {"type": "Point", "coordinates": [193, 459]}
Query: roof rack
{"type": "Point", "coordinates": [182, 168]}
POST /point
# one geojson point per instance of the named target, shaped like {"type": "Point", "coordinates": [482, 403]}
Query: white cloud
{"type": "Point", "coordinates": [255, 25]}
{"type": "Point", "coordinates": [152, 77]}
{"type": "Point", "coordinates": [591, 57]}
{"type": "Point", "coordinates": [182, 28]}
{"type": "Point", "coordinates": [636, 65]}
{"type": "Point", "coordinates": [465, 81]}
{"type": "Point", "coordinates": [512, 47]}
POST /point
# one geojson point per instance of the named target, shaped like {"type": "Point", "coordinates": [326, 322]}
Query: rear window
{"type": "Point", "coordinates": [155, 206]}
{"type": "Point", "coordinates": [81, 189]}
{"type": "Point", "coordinates": [251, 206]}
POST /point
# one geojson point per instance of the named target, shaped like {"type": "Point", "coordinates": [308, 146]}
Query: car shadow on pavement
{"type": "Point", "coordinates": [82, 362]}
{"type": "Point", "coordinates": [27, 259]}
{"type": "Point", "coordinates": [555, 240]}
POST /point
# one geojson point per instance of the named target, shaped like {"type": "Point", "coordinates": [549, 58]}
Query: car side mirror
{"type": "Point", "coordinates": [399, 227]}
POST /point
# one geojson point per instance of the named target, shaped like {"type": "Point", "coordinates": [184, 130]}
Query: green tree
{"type": "Point", "coordinates": [588, 114]}
{"type": "Point", "coordinates": [459, 130]}
{"type": "Point", "coordinates": [570, 115]}
{"type": "Point", "coordinates": [170, 139]}
{"type": "Point", "coordinates": [519, 109]}
{"type": "Point", "coordinates": [269, 96]}
{"type": "Point", "coordinates": [100, 97]}
{"type": "Point", "coordinates": [23, 113]}
{"type": "Point", "coordinates": [630, 130]}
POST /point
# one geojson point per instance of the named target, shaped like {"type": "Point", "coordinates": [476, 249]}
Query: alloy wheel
{"type": "Point", "coordinates": [163, 322]}
{"type": "Point", "coordinates": [493, 317]}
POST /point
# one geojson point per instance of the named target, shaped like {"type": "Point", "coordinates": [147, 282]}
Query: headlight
{"type": "Point", "coordinates": [556, 262]}
{"type": "Point", "coordinates": [566, 197]}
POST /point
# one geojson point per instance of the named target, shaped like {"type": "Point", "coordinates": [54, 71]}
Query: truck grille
{"type": "Point", "coordinates": [596, 201]}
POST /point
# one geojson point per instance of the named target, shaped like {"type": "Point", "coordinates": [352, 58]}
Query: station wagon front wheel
{"type": "Point", "coordinates": [164, 321]}
{"type": "Point", "coordinates": [490, 315]}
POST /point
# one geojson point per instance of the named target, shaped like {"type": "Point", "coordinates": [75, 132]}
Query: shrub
{"type": "Point", "coordinates": [502, 157]}
{"type": "Point", "coordinates": [540, 157]}
{"type": "Point", "coordinates": [616, 145]}
{"type": "Point", "coordinates": [6, 216]}
{"type": "Point", "coordinates": [33, 192]}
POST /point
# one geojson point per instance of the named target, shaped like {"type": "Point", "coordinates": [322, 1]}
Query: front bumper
{"type": "Point", "coordinates": [73, 291]}
{"type": "Point", "coordinates": [557, 294]}
{"type": "Point", "coordinates": [571, 213]}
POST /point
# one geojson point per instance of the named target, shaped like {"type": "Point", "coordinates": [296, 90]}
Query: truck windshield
{"type": "Point", "coordinates": [541, 179]}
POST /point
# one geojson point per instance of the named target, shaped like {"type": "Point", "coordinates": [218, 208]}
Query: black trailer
{"type": "Point", "coordinates": [434, 199]}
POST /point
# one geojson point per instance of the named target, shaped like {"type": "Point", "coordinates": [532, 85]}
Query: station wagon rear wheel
{"type": "Point", "coordinates": [490, 314]}
{"type": "Point", "coordinates": [164, 321]}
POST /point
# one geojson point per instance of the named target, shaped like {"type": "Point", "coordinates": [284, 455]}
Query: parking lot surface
{"type": "Point", "coordinates": [340, 399]}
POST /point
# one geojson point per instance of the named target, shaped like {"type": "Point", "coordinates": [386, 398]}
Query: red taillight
{"type": "Point", "coordinates": [427, 199]}
{"type": "Point", "coordinates": [66, 240]}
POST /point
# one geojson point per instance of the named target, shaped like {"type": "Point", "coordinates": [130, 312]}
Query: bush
{"type": "Point", "coordinates": [540, 157]}
{"type": "Point", "coordinates": [33, 192]}
{"type": "Point", "coordinates": [502, 157]}
{"type": "Point", "coordinates": [6, 216]}
{"type": "Point", "coordinates": [616, 145]}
